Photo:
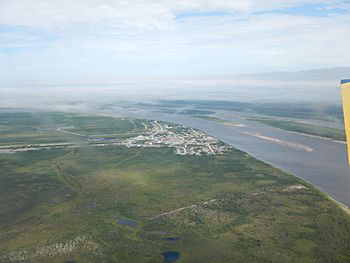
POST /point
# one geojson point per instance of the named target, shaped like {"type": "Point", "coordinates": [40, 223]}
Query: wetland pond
{"type": "Point", "coordinates": [170, 256]}
{"type": "Point", "coordinates": [171, 238]}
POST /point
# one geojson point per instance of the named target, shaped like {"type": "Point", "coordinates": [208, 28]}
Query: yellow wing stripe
{"type": "Point", "coordinates": [345, 90]}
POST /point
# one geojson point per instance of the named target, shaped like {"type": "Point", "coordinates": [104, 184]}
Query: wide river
{"type": "Point", "coordinates": [318, 161]}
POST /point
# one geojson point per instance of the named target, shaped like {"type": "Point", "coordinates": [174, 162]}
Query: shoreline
{"type": "Point", "coordinates": [342, 206]}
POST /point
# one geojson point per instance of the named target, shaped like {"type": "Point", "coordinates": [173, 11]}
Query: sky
{"type": "Point", "coordinates": [94, 41]}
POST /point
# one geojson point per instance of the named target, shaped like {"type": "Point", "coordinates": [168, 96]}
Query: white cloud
{"type": "Point", "coordinates": [122, 14]}
{"type": "Point", "coordinates": [126, 14]}
{"type": "Point", "coordinates": [105, 39]}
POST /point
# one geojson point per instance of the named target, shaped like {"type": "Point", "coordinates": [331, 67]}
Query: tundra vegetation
{"type": "Point", "coordinates": [82, 202]}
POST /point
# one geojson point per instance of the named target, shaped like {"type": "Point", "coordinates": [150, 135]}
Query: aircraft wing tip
{"type": "Point", "coordinates": [343, 81]}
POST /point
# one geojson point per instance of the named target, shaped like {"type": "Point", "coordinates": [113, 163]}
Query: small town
{"type": "Point", "coordinates": [185, 141]}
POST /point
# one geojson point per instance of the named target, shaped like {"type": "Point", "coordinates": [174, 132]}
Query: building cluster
{"type": "Point", "coordinates": [185, 141]}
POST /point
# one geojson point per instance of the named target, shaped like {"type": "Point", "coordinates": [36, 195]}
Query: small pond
{"type": "Point", "coordinates": [171, 238]}
{"type": "Point", "coordinates": [170, 256]}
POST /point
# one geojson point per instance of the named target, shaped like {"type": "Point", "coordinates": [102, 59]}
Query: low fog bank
{"type": "Point", "coordinates": [314, 86]}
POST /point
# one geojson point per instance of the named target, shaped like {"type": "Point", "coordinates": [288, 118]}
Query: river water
{"type": "Point", "coordinates": [318, 161]}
